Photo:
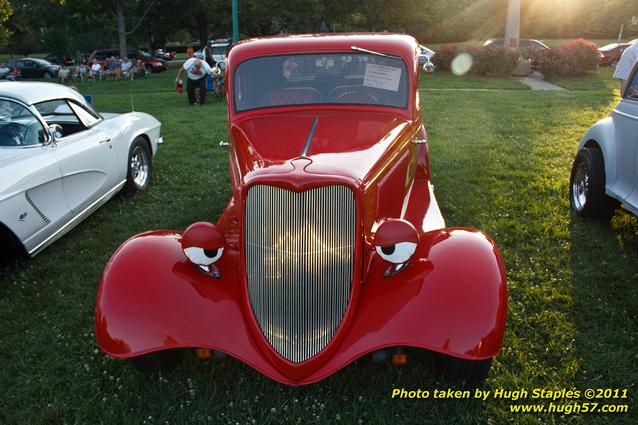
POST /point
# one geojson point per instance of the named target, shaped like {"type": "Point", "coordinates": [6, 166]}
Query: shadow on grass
{"type": "Point", "coordinates": [604, 262]}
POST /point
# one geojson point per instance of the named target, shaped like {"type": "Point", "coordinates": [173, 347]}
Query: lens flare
{"type": "Point", "coordinates": [462, 64]}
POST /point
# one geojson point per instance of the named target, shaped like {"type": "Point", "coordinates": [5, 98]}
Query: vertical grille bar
{"type": "Point", "coordinates": [299, 250]}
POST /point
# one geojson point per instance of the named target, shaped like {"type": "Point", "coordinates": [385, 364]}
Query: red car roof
{"type": "Point", "coordinates": [401, 45]}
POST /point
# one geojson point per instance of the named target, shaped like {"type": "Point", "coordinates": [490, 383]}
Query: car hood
{"type": "Point", "coordinates": [109, 115]}
{"type": "Point", "coordinates": [344, 143]}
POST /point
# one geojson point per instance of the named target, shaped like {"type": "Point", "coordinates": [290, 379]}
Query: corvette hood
{"type": "Point", "coordinates": [342, 143]}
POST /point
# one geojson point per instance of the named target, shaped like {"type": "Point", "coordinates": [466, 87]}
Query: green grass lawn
{"type": "Point", "coordinates": [500, 162]}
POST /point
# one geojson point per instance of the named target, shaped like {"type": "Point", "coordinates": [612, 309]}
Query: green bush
{"type": "Point", "coordinates": [569, 60]}
{"type": "Point", "coordinates": [487, 60]}
{"type": "Point", "coordinates": [444, 56]}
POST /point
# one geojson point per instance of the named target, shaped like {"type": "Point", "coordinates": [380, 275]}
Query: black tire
{"type": "Point", "coordinates": [47, 75]}
{"type": "Point", "coordinates": [587, 186]}
{"type": "Point", "coordinates": [139, 168]}
{"type": "Point", "coordinates": [157, 360]}
{"type": "Point", "coordinates": [470, 372]}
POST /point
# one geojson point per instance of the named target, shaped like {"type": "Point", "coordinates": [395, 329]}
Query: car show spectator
{"type": "Point", "coordinates": [64, 74]}
{"type": "Point", "coordinates": [196, 71]}
{"type": "Point", "coordinates": [116, 67]}
{"type": "Point", "coordinates": [96, 71]}
{"type": "Point", "coordinates": [207, 53]}
{"type": "Point", "coordinates": [138, 71]}
{"type": "Point", "coordinates": [4, 71]}
{"type": "Point", "coordinates": [625, 64]}
{"type": "Point", "coordinates": [126, 67]}
{"type": "Point", "coordinates": [80, 71]}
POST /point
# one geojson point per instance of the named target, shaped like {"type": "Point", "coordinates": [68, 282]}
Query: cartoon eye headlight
{"type": "Point", "coordinates": [398, 253]}
{"type": "Point", "coordinates": [395, 241]}
{"type": "Point", "coordinates": [203, 245]}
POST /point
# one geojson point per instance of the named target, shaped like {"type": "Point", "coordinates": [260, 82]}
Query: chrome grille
{"type": "Point", "coordinates": [299, 264]}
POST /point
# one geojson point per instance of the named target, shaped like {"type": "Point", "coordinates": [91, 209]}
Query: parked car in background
{"type": "Point", "coordinates": [35, 68]}
{"type": "Point", "coordinates": [524, 44]}
{"type": "Point", "coordinates": [161, 54]}
{"type": "Point", "coordinates": [332, 245]}
{"type": "Point", "coordinates": [60, 160]}
{"type": "Point", "coordinates": [528, 48]}
{"type": "Point", "coordinates": [604, 173]}
{"type": "Point", "coordinates": [56, 59]}
{"type": "Point", "coordinates": [150, 63]}
{"type": "Point", "coordinates": [220, 50]}
{"type": "Point", "coordinates": [611, 53]}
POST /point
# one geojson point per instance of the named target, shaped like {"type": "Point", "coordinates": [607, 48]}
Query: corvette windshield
{"type": "Point", "coordinates": [18, 126]}
{"type": "Point", "coordinates": [337, 78]}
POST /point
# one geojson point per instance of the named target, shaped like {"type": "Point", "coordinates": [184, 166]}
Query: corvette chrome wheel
{"type": "Point", "coordinates": [139, 167]}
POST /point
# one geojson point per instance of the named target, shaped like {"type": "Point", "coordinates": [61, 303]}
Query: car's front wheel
{"type": "Point", "coordinates": [471, 372]}
{"type": "Point", "coordinates": [157, 360]}
{"type": "Point", "coordinates": [139, 167]}
{"type": "Point", "coordinates": [587, 186]}
{"type": "Point", "coordinates": [47, 75]}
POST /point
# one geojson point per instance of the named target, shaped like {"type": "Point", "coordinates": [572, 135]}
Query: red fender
{"type": "Point", "coordinates": [451, 298]}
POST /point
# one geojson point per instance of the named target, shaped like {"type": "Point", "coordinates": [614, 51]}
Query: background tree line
{"type": "Point", "coordinates": [64, 26]}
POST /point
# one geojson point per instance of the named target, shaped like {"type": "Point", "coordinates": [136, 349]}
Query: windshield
{"type": "Point", "coordinates": [220, 50]}
{"type": "Point", "coordinates": [42, 62]}
{"type": "Point", "coordinates": [608, 47]}
{"type": "Point", "coordinates": [18, 126]}
{"type": "Point", "coordinates": [143, 53]}
{"type": "Point", "coordinates": [336, 78]}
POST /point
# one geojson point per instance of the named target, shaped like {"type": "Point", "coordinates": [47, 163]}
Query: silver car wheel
{"type": "Point", "coordinates": [139, 166]}
{"type": "Point", "coordinates": [580, 187]}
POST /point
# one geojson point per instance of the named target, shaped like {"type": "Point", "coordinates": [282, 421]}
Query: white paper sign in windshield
{"type": "Point", "coordinates": [382, 77]}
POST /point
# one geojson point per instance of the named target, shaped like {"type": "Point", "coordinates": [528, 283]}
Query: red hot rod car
{"type": "Point", "coordinates": [332, 245]}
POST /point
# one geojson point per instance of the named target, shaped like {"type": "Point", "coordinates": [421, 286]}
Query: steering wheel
{"type": "Point", "coordinates": [361, 96]}
{"type": "Point", "coordinates": [13, 134]}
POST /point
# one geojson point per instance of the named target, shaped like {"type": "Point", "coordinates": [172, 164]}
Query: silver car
{"type": "Point", "coordinates": [60, 160]}
{"type": "Point", "coordinates": [604, 173]}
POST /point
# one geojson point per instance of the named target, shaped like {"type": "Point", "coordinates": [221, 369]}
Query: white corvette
{"type": "Point", "coordinates": [60, 160]}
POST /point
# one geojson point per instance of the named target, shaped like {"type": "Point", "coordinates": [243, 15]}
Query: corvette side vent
{"type": "Point", "coordinates": [35, 207]}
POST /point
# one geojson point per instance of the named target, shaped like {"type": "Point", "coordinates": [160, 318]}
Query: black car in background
{"type": "Point", "coordinates": [56, 59]}
{"type": "Point", "coordinates": [35, 68]}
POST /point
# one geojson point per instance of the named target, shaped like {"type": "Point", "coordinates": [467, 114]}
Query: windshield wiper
{"type": "Point", "coordinates": [372, 52]}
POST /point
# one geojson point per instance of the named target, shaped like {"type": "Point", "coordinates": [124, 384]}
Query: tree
{"type": "Point", "coordinates": [122, 32]}
{"type": "Point", "coordinates": [5, 13]}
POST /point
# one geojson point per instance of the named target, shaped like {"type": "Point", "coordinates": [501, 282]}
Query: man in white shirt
{"type": "Point", "coordinates": [96, 70]}
{"type": "Point", "coordinates": [126, 67]}
{"type": "Point", "coordinates": [625, 65]}
{"type": "Point", "coordinates": [196, 71]}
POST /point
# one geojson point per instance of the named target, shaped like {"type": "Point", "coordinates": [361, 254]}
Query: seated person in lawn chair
{"type": "Point", "coordinates": [138, 71]}
{"type": "Point", "coordinates": [81, 71]}
{"type": "Point", "coordinates": [127, 67]}
{"type": "Point", "coordinates": [64, 74]}
{"type": "Point", "coordinates": [96, 71]}
{"type": "Point", "coordinates": [215, 81]}
{"type": "Point", "coordinates": [116, 67]}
